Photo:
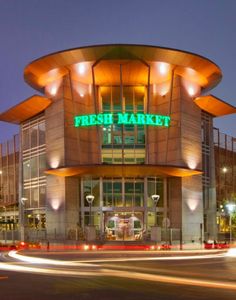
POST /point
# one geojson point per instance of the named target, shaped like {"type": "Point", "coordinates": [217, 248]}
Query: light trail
{"type": "Point", "coordinates": [90, 262]}
{"type": "Point", "coordinates": [231, 252]}
{"type": "Point", "coordinates": [44, 271]}
{"type": "Point", "coordinates": [121, 274]}
{"type": "Point", "coordinates": [38, 260]}
{"type": "Point", "coordinates": [134, 275]}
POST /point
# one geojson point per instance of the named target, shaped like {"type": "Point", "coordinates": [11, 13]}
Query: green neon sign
{"type": "Point", "coordinates": [121, 118]}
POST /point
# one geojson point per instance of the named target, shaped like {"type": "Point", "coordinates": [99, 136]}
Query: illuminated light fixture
{"type": "Point", "coordinates": [53, 91]}
{"type": "Point", "coordinates": [192, 203]}
{"type": "Point", "coordinates": [224, 170]}
{"type": "Point", "coordinates": [55, 203]}
{"type": "Point", "coordinates": [192, 164]}
{"type": "Point", "coordinates": [163, 68]}
{"type": "Point", "coordinates": [155, 199]}
{"type": "Point", "coordinates": [54, 163]}
{"type": "Point", "coordinates": [191, 91]}
{"type": "Point", "coordinates": [22, 200]}
{"type": "Point", "coordinates": [81, 68]}
{"type": "Point", "coordinates": [231, 207]}
{"type": "Point", "coordinates": [191, 87]}
{"type": "Point", "coordinates": [162, 89]}
{"type": "Point", "coordinates": [81, 95]}
{"type": "Point", "coordinates": [53, 87]}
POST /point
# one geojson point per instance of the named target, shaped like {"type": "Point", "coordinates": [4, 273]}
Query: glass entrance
{"type": "Point", "coordinates": [123, 226]}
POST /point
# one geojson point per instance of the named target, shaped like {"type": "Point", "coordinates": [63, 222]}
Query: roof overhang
{"type": "Point", "coordinates": [52, 67]}
{"type": "Point", "coordinates": [215, 106]}
{"type": "Point", "coordinates": [25, 110]}
{"type": "Point", "coordinates": [123, 171]}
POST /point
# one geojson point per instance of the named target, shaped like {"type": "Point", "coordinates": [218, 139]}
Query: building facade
{"type": "Point", "coordinates": [119, 146]}
{"type": "Point", "coordinates": [225, 166]}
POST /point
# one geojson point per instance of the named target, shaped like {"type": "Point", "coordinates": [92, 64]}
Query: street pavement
{"type": "Point", "coordinates": [117, 275]}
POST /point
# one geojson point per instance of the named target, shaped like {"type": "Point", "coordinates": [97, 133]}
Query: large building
{"type": "Point", "coordinates": [225, 166]}
{"type": "Point", "coordinates": [119, 146]}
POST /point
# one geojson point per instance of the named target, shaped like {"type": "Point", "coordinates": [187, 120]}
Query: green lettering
{"type": "Point", "coordinates": [107, 119]}
{"type": "Point", "coordinates": [166, 121]}
{"type": "Point", "coordinates": [159, 120]}
{"type": "Point", "coordinates": [84, 121]}
{"type": "Point", "coordinates": [77, 121]}
{"type": "Point", "coordinates": [132, 119]}
{"type": "Point", "coordinates": [99, 119]}
{"type": "Point", "coordinates": [122, 118]}
{"type": "Point", "coordinates": [141, 119]}
{"type": "Point", "coordinates": [92, 120]}
{"type": "Point", "coordinates": [149, 120]}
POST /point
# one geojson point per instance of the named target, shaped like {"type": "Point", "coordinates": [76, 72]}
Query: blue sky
{"type": "Point", "coordinates": [32, 28]}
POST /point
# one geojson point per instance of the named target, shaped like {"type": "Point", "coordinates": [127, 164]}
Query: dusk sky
{"type": "Point", "coordinates": [30, 29]}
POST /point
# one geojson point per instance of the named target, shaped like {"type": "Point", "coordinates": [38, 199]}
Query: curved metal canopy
{"type": "Point", "coordinates": [193, 67]}
{"type": "Point", "coordinates": [123, 170]}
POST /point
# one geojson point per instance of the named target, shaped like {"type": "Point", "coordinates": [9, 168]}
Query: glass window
{"type": "Point", "coordinates": [128, 98]}
{"type": "Point", "coordinates": [34, 136]}
{"type": "Point", "coordinates": [128, 200]}
{"type": "Point", "coordinates": [122, 136]}
{"type": "Point", "coordinates": [34, 167]}
{"type": "Point", "coordinates": [42, 196]}
{"type": "Point", "coordinates": [26, 169]}
{"type": "Point", "coordinates": [129, 140]}
{"type": "Point", "coordinates": [96, 192]}
{"type": "Point", "coordinates": [34, 197]}
{"type": "Point", "coordinates": [116, 99]}
{"type": "Point", "coordinates": [91, 187]}
{"type": "Point", "coordinates": [42, 164]}
{"type": "Point", "coordinates": [155, 186]}
{"type": "Point", "coordinates": [117, 193]}
{"type": "Point", "coordinates": [25, 139]}
{"type": "Point", "coordinates": [42, 133]}
{"type": "Point", "coordinates": [26, 196]}
{"type": "Point", "coordinates": [141, 135]}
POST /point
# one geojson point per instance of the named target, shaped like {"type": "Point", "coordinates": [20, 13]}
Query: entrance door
{"type": "Point", "coordinates": [124, 226]}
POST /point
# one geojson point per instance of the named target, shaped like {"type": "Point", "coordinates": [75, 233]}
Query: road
{"type": "Point", "coordinates": [117, 275]}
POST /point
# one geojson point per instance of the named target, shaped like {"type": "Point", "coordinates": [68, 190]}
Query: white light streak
{"type": "Point", "coordinates": [116, 273]}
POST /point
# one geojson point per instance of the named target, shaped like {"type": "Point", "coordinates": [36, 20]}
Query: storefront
{"type": "Point", "coordinates": [123, 125]}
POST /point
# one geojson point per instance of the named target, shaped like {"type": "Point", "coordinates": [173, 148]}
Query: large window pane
{"type": "Point", "coordinates": [34, 136]}
{"type": "Point", "coordinates": [41, 133]}
{"type": "Point", "coordinates": [42, 164]}
{"type": "Point", "coordinates": [119, 136]}
{"type": "Point", "coordinates": [35, 197]}
{"type": "Point", "coordinates": [34, 167]}
{"type": "Point", "coordinates": [26, 169]}
{"type": "Point", "coordinates": [25, 139]}
{"type": "Point", "coordinates": [42, 196]}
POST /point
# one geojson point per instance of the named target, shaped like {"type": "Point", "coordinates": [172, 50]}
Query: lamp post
{"type": "Point", "coordinates": [90, 199]}
{"type": "Point", "coordinates": [22, 217]}
{"type": "Point", "coordinates": [231, 208]}
{"type": "Point", "coordinates": [155, 199]}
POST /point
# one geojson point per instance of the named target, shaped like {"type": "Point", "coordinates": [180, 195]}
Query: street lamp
{"type": "Point", "coordinates": [231, 208]}
{"type": "Point", "coordinates": [90, 199]}
{"type": "Point", "coordinates": [22, 217]}
{"type": "Point", "coordinates": [155, 199]}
